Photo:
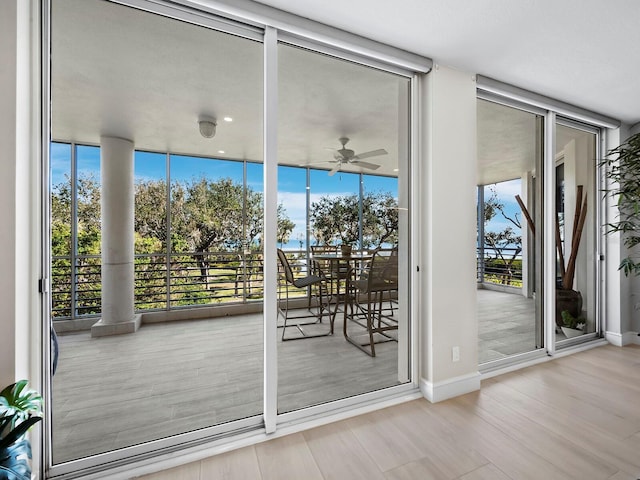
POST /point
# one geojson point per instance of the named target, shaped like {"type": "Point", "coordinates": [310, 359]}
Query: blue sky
{"type": "Point", "coordinates": [291, 180]}
{"type": "Point", "coordinates": [506, 192]}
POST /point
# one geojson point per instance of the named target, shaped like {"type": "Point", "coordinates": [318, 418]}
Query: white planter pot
{"type": "Point", "coordinates": [571, 332]}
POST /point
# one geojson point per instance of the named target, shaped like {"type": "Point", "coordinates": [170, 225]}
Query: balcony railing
{"type": "Point", "coordinates": [164, 282]}
{"type": "Point", "coordinates": [499, 266]}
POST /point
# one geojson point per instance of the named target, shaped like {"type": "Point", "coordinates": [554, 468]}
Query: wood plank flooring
{"type": "Point", "coordinates": [576, 417]}
{"type": "Point", "coordinates": [506, 325]}
{"type": "Point", "coordinates": [170, 378]}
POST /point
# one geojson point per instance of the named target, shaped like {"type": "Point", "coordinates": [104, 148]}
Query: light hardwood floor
{"type": "Point", "coordinates": [576, 417]}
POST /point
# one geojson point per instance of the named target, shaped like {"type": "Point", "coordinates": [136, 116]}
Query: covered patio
{"type": "Point", "coordinates": [173, 377]}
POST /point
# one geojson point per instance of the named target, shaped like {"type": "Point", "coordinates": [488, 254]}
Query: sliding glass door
{"type": "Point", "coordinates": [161, 315]}
{"type": "Point", "coordinates": [509, 273]}
{"type": "Point", "coordinates": [343, 152]}
{"type": "Point", "coordinates": [576, 209]}
{"type": "Point", "coordinates": [156, 214]}
{"type": "Point", "coordinates": [517, 170]}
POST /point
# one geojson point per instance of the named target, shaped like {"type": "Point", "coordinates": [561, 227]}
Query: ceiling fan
{"type": "Point", "coordinates": [346, 156]}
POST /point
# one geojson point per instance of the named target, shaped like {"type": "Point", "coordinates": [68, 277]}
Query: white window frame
{"type": "Point", "coordinates": [256, 22]}
{"type": "Point", "coordinates": [554, 112]}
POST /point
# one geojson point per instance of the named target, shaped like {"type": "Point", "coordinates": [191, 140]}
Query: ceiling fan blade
{"type": "Point", "coordinates": [316, 163]}
{"type": "Point", "coordinates": [370, 166]}
{"type": "Point", "coordinates": [333, 171]}
{"type": "Point", "coordinates": [372, 153]}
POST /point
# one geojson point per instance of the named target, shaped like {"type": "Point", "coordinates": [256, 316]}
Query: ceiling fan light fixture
{"type": "Point", "coordinates": [207, 126]}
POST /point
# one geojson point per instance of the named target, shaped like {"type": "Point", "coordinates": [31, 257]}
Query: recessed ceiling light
{"type": "Point", "coordinates": [228, 119]}
{"type": "Point", "coordinates": [220, 151]}
{"type": "Point", "coordinates": [396, 169]}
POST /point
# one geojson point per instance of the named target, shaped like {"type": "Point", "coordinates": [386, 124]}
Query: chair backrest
{"type": "Point", "coordinates": [382, 273]}
{"type": "Point", "coordinates": [286, 267]}
{"type": "Point", "coordinates": [320, 266]}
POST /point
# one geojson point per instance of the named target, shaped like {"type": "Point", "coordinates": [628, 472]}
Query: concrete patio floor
{"type": "Point", "coordinates": [174, 377]}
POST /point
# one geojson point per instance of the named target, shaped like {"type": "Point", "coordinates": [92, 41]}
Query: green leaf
{"type": "Point", "coordinates": [16, 399]}
{"type": "Point", "coordinates": [18, 432]}
{"type": "Point", "coordinates": [14, 461]}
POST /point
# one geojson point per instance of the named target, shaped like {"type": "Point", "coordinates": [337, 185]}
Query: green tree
{"type": "Point", "coordinates": [150, 220]}
{"type": "Point", "coordinates": [337, 219]}
{"type": "Point", "coordinates": [206, 216]}
{"type": "Point", "coordinates": [88, 206]}
{"type": "Point", "coordinates": [500, 241]}
{"type": "Point", "coordinates": [88, 244]}
{"type": "Point", "coordinates": [285, 225]}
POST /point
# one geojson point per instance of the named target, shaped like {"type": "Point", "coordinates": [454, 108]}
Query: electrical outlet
{"type": "Point", "coordinates": [455, 354]}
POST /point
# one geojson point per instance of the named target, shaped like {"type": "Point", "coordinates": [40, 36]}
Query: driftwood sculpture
{"type": "Point", "coordinates": [568, 272]}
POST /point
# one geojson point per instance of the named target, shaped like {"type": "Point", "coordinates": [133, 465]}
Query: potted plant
{"type": "Point", "coordinates": [346, 249]}
{"type": "Point", "coordinates": [568, 299]}
{"type": "Point", "coordinates": [20, 409]}
{"type": "Point", "coordinates": [622, 167]}
{"type": "Point", "coordinates": [572, 326]}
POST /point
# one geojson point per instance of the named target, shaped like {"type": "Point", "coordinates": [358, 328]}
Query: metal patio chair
{"type": "Point", "coordinates": [366, 292]}
{"type": "Point", "coordinates": [316, 292]}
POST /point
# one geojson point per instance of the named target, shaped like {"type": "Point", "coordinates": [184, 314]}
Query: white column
{"type": "Point", "coordinates": [117, 210]}
{"type": "Point", "coordinates": [449, 334]}
{"type": "Point", "coordinates": [20, 244]}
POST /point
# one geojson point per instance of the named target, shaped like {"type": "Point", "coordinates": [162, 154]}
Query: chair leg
{"type": "Point", "coordinates": [320, 308]}
{"type": "Point", "coordinates": [369, 315]}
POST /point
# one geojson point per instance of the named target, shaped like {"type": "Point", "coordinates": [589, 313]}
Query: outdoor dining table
{"type": "Point", "coordinates": [340, 265]}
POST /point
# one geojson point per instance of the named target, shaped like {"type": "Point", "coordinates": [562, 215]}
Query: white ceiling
{"type": "Point", "coordinates": [149, 78]}
{"type": "Point", "coordinates": [584, 52]}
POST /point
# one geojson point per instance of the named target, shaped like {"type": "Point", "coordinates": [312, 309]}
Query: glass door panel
{"type": "Point", "coordinates": [347, 166]}
{"type": "Point", "coordinates": [509, 231]}
{"type": "Point", "coordinates": [194, 200]}
{"type": "Point", "coordinates": [576, 226]}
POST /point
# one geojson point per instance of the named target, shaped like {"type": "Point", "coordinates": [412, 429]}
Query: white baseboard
{"type": "Point", "coordinates": [620, 340]}
{"type": "Point", "coordinates": [438, 391]}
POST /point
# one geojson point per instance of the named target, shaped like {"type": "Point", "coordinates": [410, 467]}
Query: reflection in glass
{"type": "Point", "coordinates": [509, 231]}
{"type": "Point", "coordinates": [576, 199]}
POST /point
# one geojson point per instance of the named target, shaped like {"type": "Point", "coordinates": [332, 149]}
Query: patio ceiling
{"type": "Point", "coordinates": [122, 72]}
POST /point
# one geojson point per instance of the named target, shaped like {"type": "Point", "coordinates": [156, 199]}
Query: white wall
{"type": "Point", "coordinates": [634, 283]}
{"type": "Point", "coordinates": [621, 292]}
{"type": "Point", "coordinates": [16, 196]}
{"type": "Point", "coordinates": [449, 233]}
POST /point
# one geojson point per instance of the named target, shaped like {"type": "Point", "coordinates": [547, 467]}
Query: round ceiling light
{"type": "Point", "coordinates": [207, 126]}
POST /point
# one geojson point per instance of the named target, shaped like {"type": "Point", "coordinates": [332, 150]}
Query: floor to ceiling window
{"type": "Point", "coordinates": [509, 231]}
{"type": "Point", "coordinates": [514, 222]}
{"type": "Point", "coordinates": [577, 201]}
{"type": "Point", "coordinates": [357, 215]}
{"type": "Point", "coordinates": [157, 211]}
{"type": "Point", "coordinates": [176, 110]}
